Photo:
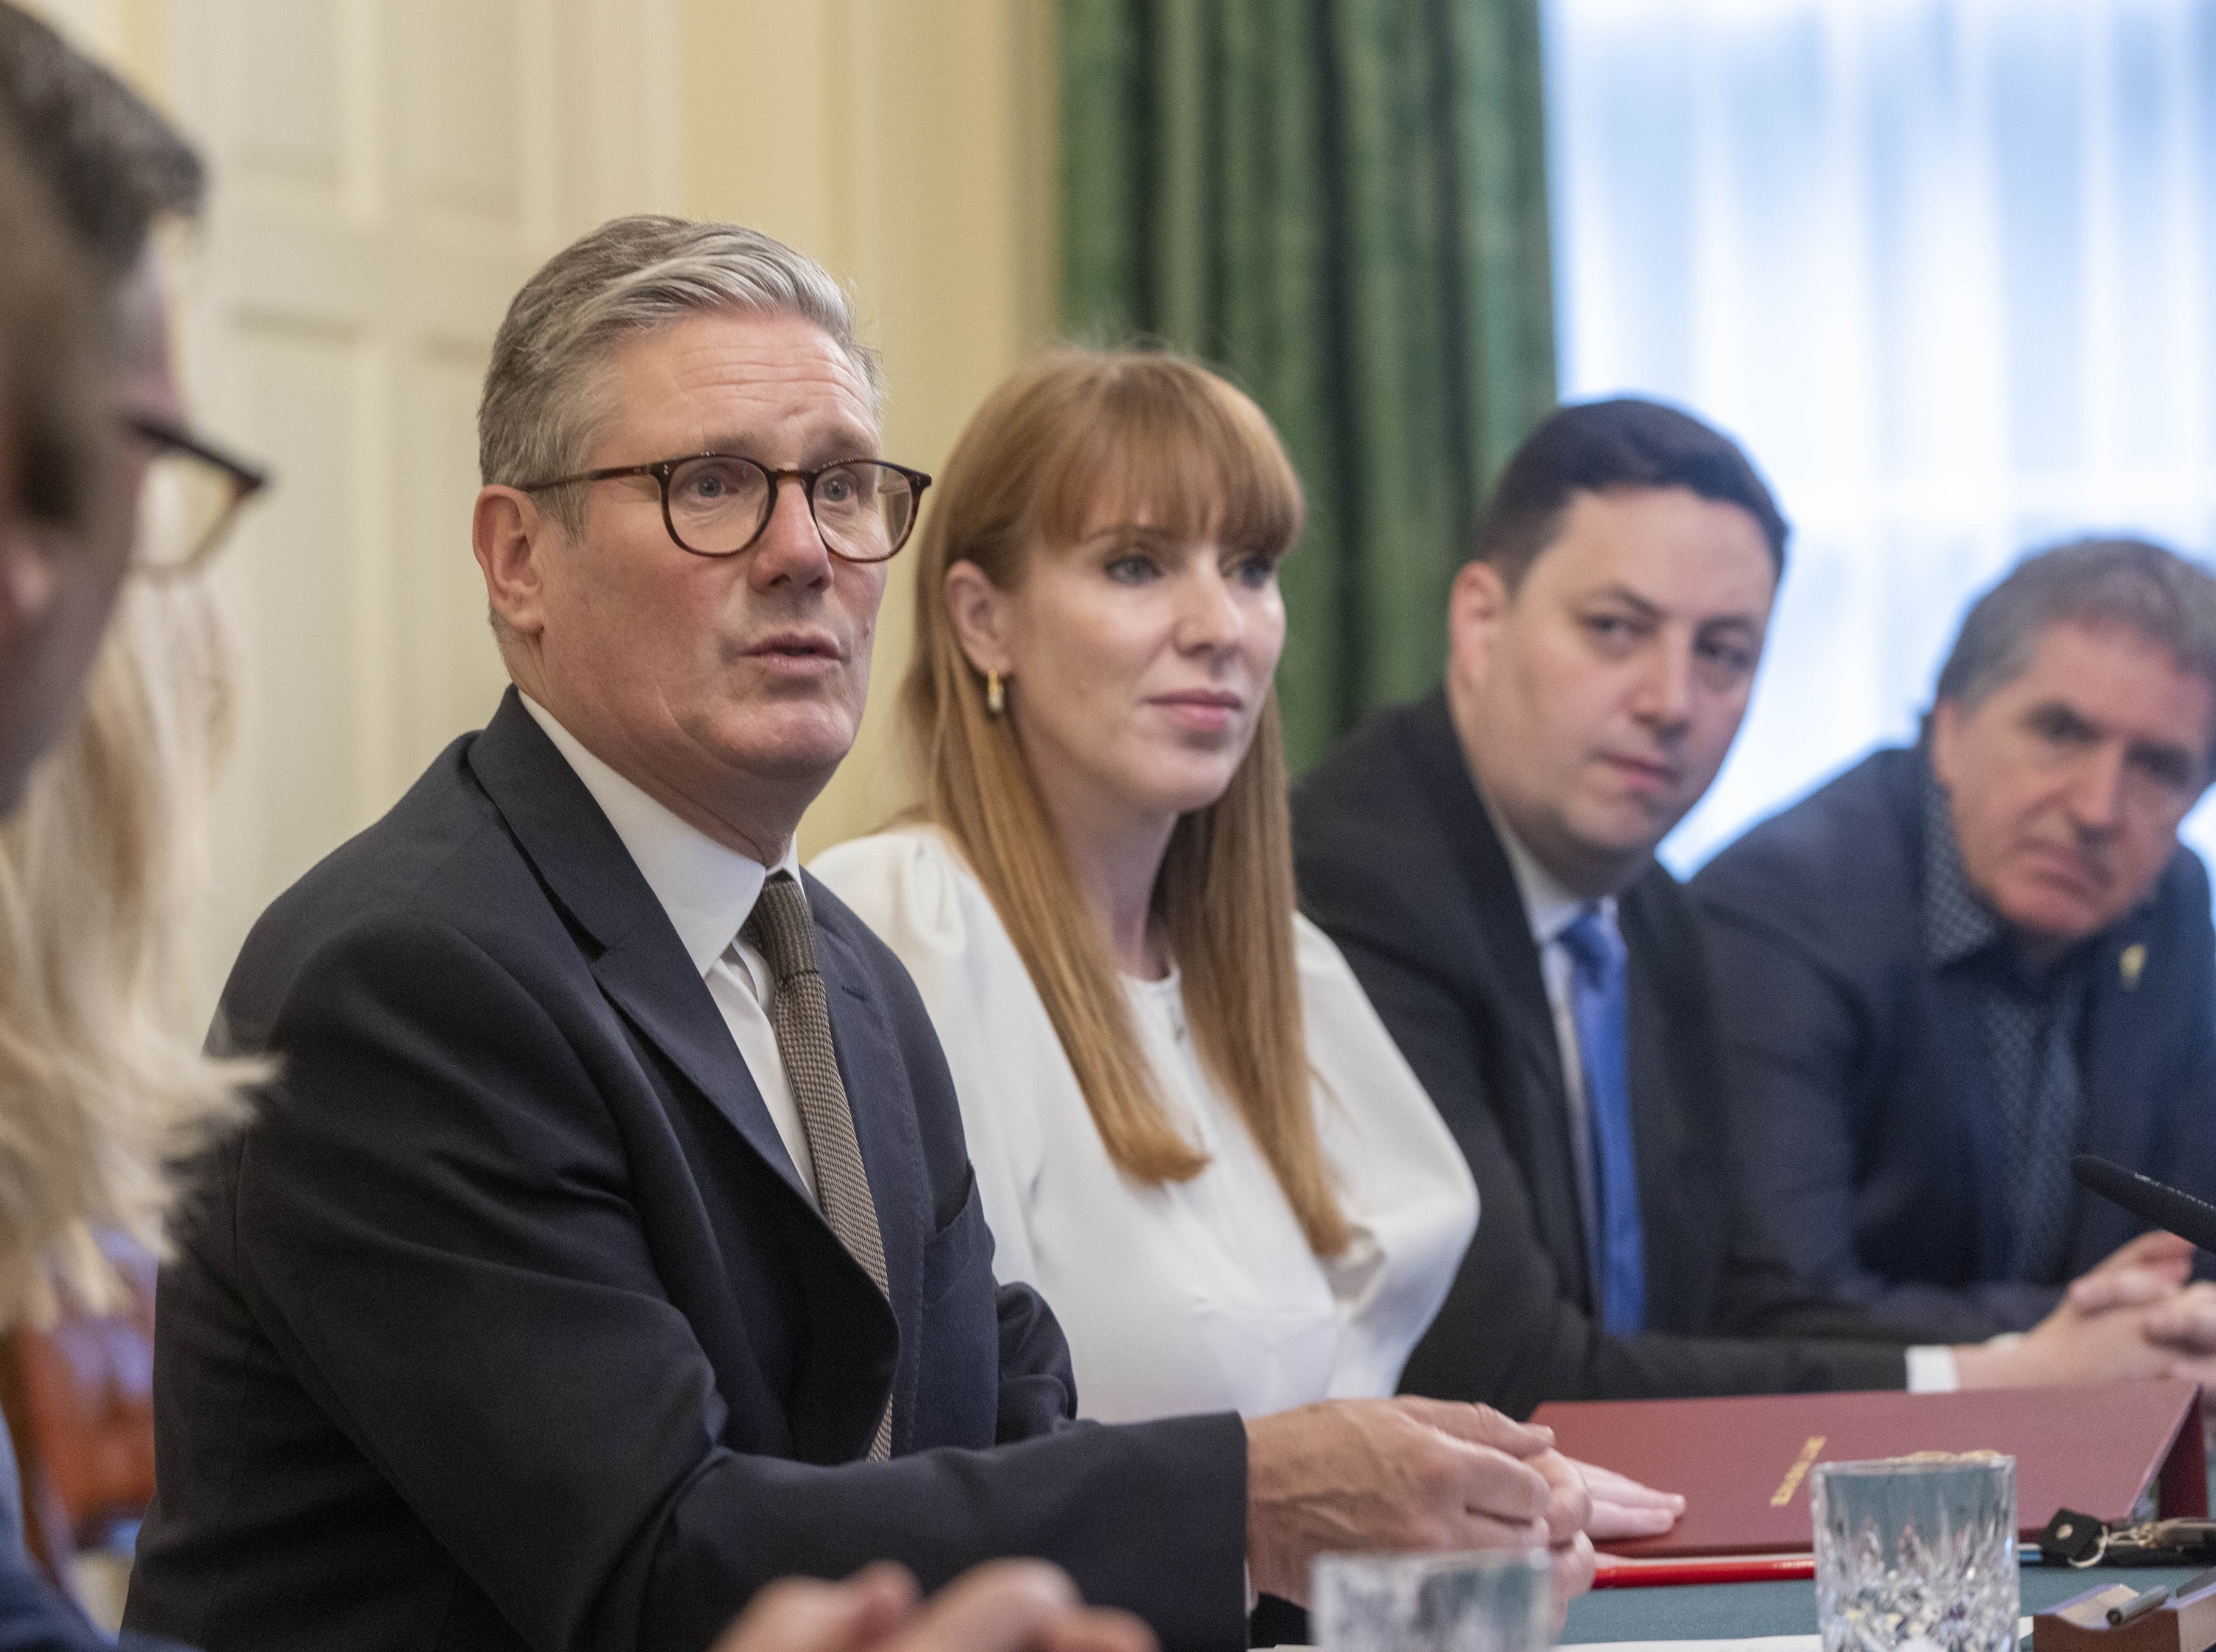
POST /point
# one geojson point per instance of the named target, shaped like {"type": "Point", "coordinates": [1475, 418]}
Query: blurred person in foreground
{"type": "Point", "coordinates": [101, 1086]}
{"type": "Point", "coordinates": [606, 1246]}
{"type": "Point", "coordinates": [1003, 1605]}
{"type": "Point", "coordinates": [1190, 1131]}
{"type": "Point", "coordinates": [1485, 859]}
{"type": "Point", "coordinates": [1963, 960]}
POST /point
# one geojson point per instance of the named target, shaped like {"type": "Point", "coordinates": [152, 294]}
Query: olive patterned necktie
{"type": "Point", "coordinates": [781, 930]}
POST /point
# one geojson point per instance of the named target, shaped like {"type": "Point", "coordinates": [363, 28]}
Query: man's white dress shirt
{"type": "Point", "coordinates": [709, 892]}
{"type": "Point", "coordinates": [1191, 1295]}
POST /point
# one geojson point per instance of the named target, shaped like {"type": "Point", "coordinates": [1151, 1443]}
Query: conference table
{"type": "Point", "coordinates": [1734, 1611]}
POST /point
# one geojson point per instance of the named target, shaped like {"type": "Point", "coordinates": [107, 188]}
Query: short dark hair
{"type": "Point", "coordinates": [2134, 583]}
{"type": "Point", "coordinates": [54, 356]}
{"type": "Point", "coordinates": [113, 166]}
{"type": "Point", "coordinates": [1599, 447]}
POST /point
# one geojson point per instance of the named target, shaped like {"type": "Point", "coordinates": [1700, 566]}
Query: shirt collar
{"type": "Point", "coordinates": [1548, 906]}
{"type": "Point", "coordinates": [708, 890]}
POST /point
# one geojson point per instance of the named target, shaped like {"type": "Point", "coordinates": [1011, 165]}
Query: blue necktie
{"type": "Point", "coordinates": [1600, 1007]}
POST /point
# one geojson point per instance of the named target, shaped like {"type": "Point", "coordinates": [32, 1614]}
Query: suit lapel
{"type": "Point", "coordinates": [2121, 1044]}
{"type": "Point", "coordinates": [1664, 1024]}
{"type": "Point", "coordinates": [641, 965]}
{"type": "Point", "coordinates": [1506, 959]}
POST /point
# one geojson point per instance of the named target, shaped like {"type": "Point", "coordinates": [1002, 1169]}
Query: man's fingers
{"type": "Point", "coordinates": [2152, 1247]}
{"type": "Point", "coordinates": [1094, 1629]}
{"type": "Point", "coordinates": [1481, 1425]}
{"type": "Point", "coordinates": [1615, 1522]}
{"type": "Point", "coordinates": [1573, 1563]}
{"type": "Point", "coordinates": [1479, 1481]}
{"type": "Point", "coordinates": [1621, 1490]}
{"type": "Point", "coordinates": [1489, 1532]}
{"type": "Point", "coordinates": [2108, 1289]}
{"type": "Point", "coordinates": [1622, 1508]}
{"type": "Point", "coordinates": [1004, 1606]}
{"type": "Point", "coordinates": [2187, 1322]}
{"type": "Point", "coordinates": [799, 1614]}
{"type": "Point", "coordinates": [1569, 1499]}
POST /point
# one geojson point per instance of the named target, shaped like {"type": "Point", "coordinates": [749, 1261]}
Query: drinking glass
{"type": "Point", "coordinates": [1493, 1602]}
{"type": "Point", "coordinates": [1916, 1551]}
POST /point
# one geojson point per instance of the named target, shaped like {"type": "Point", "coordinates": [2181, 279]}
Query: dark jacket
{"type": "Point", "coordinates": [508, 1324]}
{"type": "Point", "coordinates": [1868, 1135]}
{"type": "Point", "coordinates": [1397, 861]}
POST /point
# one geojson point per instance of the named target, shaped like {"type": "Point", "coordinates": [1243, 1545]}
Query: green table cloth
{"type": "Point", "coordinates": [1732, 1611]}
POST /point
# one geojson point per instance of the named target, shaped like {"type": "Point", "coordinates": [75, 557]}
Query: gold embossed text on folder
{"type": "Point", "coordinates": [1798, 1472]}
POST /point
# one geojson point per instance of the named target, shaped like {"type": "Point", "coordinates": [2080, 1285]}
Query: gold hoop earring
{"type": "Point", "coordinates": [997, 698]}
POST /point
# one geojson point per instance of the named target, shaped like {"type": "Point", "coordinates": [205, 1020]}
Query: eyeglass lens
{"type": "Point", "coordinates": [184, 506]}
{"type": "Point", "coordinates": [718, 506]}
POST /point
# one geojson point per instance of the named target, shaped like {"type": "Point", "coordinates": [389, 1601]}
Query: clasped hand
{"type": "Point", "coordinates": [2135, 1316]}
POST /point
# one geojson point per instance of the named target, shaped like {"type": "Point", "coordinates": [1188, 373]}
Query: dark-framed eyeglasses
{"type": "Point", "coordinates": [192, 495]}
{"type": "Point", "coordinates": [718, 504]}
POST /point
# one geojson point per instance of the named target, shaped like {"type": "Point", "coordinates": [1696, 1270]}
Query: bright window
{"type": "Point", "coordinates": [1947, 267]}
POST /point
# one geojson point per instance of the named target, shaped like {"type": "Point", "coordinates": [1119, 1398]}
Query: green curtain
{"type": "Point", "coordinates": [1343, 204]}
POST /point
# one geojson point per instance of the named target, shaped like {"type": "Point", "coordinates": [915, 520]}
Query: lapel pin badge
{"type": "Point", "coordinates": [2130, 962]}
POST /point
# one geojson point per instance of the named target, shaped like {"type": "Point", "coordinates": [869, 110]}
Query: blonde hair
{"type": "Point", "coordinates": [1065, 435]}
{"type": "Point", "coordinates": [104, 1088]}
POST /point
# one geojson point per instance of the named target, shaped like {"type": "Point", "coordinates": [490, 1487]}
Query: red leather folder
{"type": "Point", "coordinates": [1742, 1464]}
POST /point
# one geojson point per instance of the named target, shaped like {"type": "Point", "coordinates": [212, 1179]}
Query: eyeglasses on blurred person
{"type": "Point", "coordinates": [190, 499]}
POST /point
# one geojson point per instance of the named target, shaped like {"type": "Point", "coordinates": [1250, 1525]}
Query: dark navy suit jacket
{"type": "Point", "coordinates": [508, 1324]}
{"type": "Point", "coordinates": [1397, 861]}
{"type": "Point", "coordinates": [1867, 1132]}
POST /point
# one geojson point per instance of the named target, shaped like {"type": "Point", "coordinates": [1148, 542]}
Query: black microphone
{"type": "Point", "coordinates": [2168, 1208]}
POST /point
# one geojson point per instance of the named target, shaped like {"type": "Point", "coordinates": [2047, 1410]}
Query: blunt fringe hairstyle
{"type": "Point", "coordinates": [113, 166]}
{"type": "Point", "coordinates": [105, 1087]}
{"type": "Point", "coordinates": [540, 407]}
{"type": "Point", "coordinates": [2134, 583]}
{"type": "Point", "coordinates": [1069, 436]}
{"type": "Point", "coordinates": [1599, 447]}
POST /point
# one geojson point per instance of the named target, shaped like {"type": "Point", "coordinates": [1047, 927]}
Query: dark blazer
{"type": "Point", "coordinates": [1397, 861]}
{"type": "Point", "coordinates": [509, 1323]}
{"type": "Point", "coordinates": [1869, 1136]}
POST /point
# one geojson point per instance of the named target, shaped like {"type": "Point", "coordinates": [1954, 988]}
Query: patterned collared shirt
{"type": "Point", "coordinates": [2028, 1020]}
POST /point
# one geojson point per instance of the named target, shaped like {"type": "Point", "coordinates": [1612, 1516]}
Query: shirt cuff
{"type": "Point", "coordinates": [1932, 1370]}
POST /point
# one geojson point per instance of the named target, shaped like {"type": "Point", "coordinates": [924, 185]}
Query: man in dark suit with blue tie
{"type": "Point", "coordinates": [1485, 860]}
{"type": "Point", "coordinates": [606, 1245]}
{"type": "Point", "coordinates": [1961, 962]}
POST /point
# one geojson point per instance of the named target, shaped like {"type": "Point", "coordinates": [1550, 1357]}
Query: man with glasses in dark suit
{"type": "Point", "coordinates": [607, 1245]}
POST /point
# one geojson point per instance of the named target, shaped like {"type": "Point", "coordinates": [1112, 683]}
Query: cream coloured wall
{"type": "Point", "coordinates": [912, 148]}
{"type": "Point", "coordinates": [908, 143]}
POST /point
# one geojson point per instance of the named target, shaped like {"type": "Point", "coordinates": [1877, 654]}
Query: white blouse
{"type": "Point", "coordinates": [1191, 1296]}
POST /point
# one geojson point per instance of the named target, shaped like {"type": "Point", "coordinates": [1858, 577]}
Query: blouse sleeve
{"type": "Point", "coordinates": [911, 888]}
{"type": "Point", "coordinates": [1399, 1176]}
